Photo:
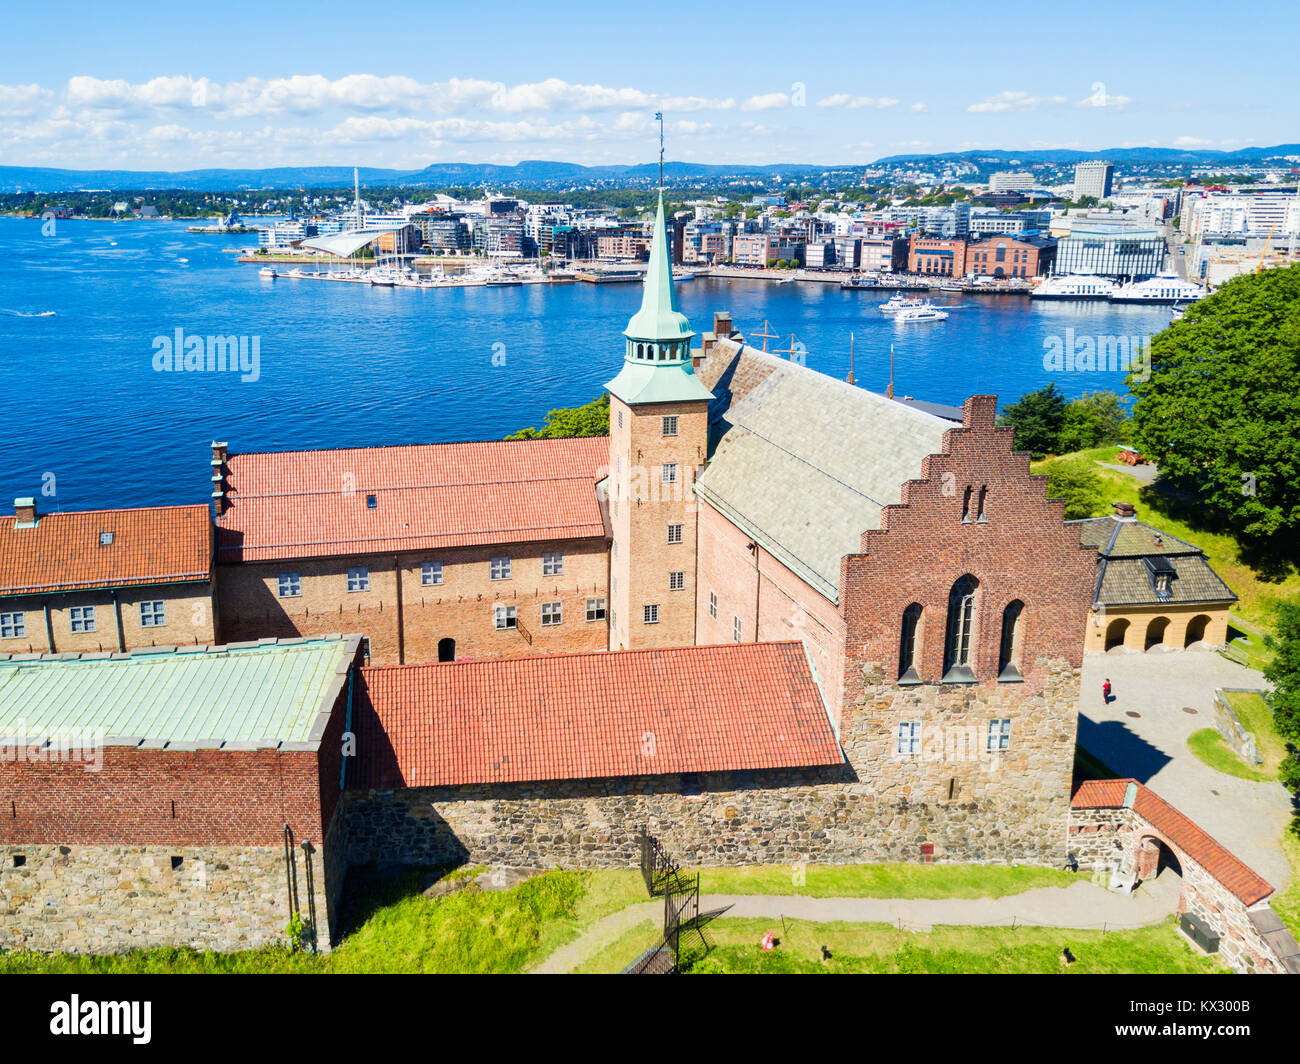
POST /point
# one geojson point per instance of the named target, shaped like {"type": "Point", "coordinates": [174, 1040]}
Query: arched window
{"type": "Point", "coordinates": [640, 350]}
{"type": "Point", "coordinates": [961, 625]}
{"type": "Point", "coordinates": [908, 643]}
{"type": "Point", "coordinates": [1009, 650]}
{"type": "Point", "coordinates": [965, 506]}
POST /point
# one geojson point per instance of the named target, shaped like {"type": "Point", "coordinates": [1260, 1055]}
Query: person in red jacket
{"type": "Point", "coordinates": [1105, 691]}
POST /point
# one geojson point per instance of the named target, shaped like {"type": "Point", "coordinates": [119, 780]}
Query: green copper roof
{"type": "Point", "coordinates": [665, 382]}
{"type": "Point", "coordinates": [268, 694]}
{"type": "Point", "coordinates": [658, 318]}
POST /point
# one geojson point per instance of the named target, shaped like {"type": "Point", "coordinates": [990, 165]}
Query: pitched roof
{"type": "Point", "coordinates": [267, 694]}
{"type": "Point", "coordinates": [1124, 547]}
{"type": "Point", "coordinates": [806, 463]}
{"type": "Point", "coordinates": [150, 545]}
{"type": "Point", "coordinates": [736, 707]}
{"type": "Point", "coordinates": [312, 504]}
{"type": "Point", "coordinates": [1179, 830]}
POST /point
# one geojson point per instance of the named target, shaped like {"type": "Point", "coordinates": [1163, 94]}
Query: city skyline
{"type": "Point", "coordinates": [172, 91]}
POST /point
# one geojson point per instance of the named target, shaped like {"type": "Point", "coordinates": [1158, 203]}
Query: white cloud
{"type": "Point", "coordinates": [21, 100]}
{"type": "Point", "coordinates": [1191, 142]}
{"type": "Point", "coordinates": [919, 108]}
{"type": "Point", "coordinates": [767, 102]}
{"type": "Point", "coordinates": [843, 99]}
{"type": "Point", "coordinates": [1013, 101]}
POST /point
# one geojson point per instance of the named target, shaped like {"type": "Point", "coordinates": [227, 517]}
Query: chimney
{"type": "Point", "coordinates": [722, 324]}
{"type": "Point", "coordinates": [1125, 511]}
{"type": "Point", "coordinates": [220, 452]}
{"type": "Point", "coordinates": [25, 512]}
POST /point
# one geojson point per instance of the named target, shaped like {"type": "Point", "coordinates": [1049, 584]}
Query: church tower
{"type": "Point", "coordinates": [658, 436]}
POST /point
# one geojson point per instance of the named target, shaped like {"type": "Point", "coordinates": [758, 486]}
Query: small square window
{"type": "Point", "coordinates": [13, 625]}
{"type": "Point", "coordinates": [552, 613]}
{"type": "Point", "coordinates": [999, 735]}
{"type": "Point", "coordinates": [359, 578]}
{"type": "Point", "coordinates": [431, 573]}
{"type": "Point", "coordinates": [153, 614]}
{"type": "Point", "coordinates": [505, 617]}
{"type": "Point", "coordinates": [500, 568]}
{"type": "Point", "coordinates": [670, 425]}
{"type": "Point", "coordinates": [372, 502]}
{"type": "Point", "coordinates": [650, 613]}
{"type": "Point", "coordinates": [737, 629]}
{"type": "Point", "coordinates": [713, 605]}
{"type": "Point", "coordinates": [595, 609]}
{"type": "Point", "coordinates": [106, 539]}
{"type": "Point", "coordinates": [668, 471]}
{"type": "Point", "coordinates": [676, 580]}
{"type": "Point", "coordinates": [909, 737]}
{"type": "Point", "coordinates": [290, 585]}
{"type": "Point", "coordinates": [674, 533]}
{"type": "Point", "coordinates": [82, 618]}
{"type": "Point", "coordinates": [553, 564]}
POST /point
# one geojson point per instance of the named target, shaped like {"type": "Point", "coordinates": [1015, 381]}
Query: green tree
{"type": "Point", "coordinates": [1220, 410]}
{"type": "Point", "coordinates": [1075, 481]}
{"type": "Point", "coordinates": [589, 420]}
{"type": "Point", "coordinates": [1283, 672]}
{"type": "Point", "coordinates": [1092, 420]}
{"type": "Point", "coordinates": [1037, 419]}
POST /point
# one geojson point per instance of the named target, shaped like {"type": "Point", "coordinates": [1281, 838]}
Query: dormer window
{"type": "Point", "coordinates": [1162, 573]}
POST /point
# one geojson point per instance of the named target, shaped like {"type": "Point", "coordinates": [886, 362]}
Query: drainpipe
{"type": "Point", "coordinates": [117, 616]}
{"type": "Point", "coordinates": [401, 631]}
{"type": "Point", "coordinates": [49, 627]}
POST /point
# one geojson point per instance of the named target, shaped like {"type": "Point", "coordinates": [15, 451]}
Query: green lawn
{"type": "Point", "coordinates": [1255, 716]}
{"type": "Point", "coordinates": [883, 880]}
{"type": "Point", "coordinates": [1210, 748]}
{"type": "Point", "coordinates": [1257, 590]}
{"type": "Point", "coordinates": [881, 948]}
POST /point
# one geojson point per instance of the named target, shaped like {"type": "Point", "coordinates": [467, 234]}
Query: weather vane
{"type": "Point", "coordinates": [659, 117]}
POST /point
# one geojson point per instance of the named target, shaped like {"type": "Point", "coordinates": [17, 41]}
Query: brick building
{"type": "Point", "coordinates": [96, 580]}
{"type": "Point", "coordinates": [1008, 256]}
{"type": "Point", "coordinates": [149, 796]}
{"type": "Point", "coordinates": [434, 552]}
{"type": "Point", "coordinates": [941, 256]}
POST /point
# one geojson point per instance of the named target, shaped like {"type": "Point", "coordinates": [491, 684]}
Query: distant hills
{"type": "Point", "coordinates": [543, 173]}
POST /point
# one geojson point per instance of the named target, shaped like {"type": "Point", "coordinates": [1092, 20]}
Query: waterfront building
{"type": "Point", "coordinates": [936, 256]}
{"type": "Point", "coordinates": [1093, 178]}
{"type": "Point", "coordinates": [1252, 214]}
{"type": "Point", "coordinates": [1006, 256]}
{"type": "Point", "coordinates": [987, 221]}
{"type": "Point", "coordinates": [1110, 248]}
{"type": "Point", "coordinates": [882, 254]}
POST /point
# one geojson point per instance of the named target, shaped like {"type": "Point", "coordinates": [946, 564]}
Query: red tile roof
{"type": "Point", "coordinates": [151, 545]}
{"type": "Point", "coordinates": [311, 504]}
{"type": "Point", "coordinates": [583, 716]}
{"type": "Point", "coordinates": [1182, 832]}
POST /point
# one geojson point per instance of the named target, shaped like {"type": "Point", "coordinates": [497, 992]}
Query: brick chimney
{"type": "Point", "coordinates": [220, 454]}
{"type": "Point", "coordinates": [1125, 511]}
{"type": "Point", "coordinates": [25, 512]}
{"type": "Point", "coordinates": [722, 330]}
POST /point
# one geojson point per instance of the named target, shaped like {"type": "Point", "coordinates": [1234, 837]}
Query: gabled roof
{"type": "Point", "coordinates": [268, 694]}
{"type": "Point", "coordinates": [805, 463]}
{"type": "Point", "coordinates": [64, 552]}
{"type": "Point", "coordinates": [737, 707]}
{"type": "Point", "coordinates": [312, 504]}
{"type": "Point", "coordinates": [1182, 832]}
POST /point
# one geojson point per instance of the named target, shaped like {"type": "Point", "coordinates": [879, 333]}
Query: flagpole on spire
{"type": "Point", "coordinates": [659, 116]}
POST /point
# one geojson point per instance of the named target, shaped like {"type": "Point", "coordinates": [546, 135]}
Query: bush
{"type": "Point", "coordinates": [1075, 481]}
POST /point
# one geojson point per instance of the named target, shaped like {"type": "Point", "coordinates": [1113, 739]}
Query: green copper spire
{"type": "Point", "coordinates": [658, 318]}
{"type": "Point", "coordinates": [658, 363]}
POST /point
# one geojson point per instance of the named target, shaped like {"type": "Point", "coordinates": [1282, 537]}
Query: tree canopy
{"type": "Point", "coordinates": [1037, 418]}
{"type": "Point", "coordinates": [1220, 410]}
{"type": "Point", "coordinates": [589, 420]}
{"type": "Point", "coordinates": [1284, 674]}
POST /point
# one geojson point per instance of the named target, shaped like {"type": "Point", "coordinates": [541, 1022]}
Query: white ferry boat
{"type": "Point", "coordinates": [925, 312]}
{"type": "Point", "coordinates": [1075, 286]}
{"type": "Point", "coordinates": [1166, 288]}
{"type": "Point", "coordinates": [898, 302]}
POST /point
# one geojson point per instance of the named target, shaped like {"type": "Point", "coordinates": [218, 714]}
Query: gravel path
{"type": "Point", "coordinates": [1081, 905]}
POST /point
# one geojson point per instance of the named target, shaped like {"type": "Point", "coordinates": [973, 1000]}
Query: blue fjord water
{"type": "Point", "coordinates": [84, 412]}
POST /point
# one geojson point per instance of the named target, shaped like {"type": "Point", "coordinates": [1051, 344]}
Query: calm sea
{"type": "Point", "coordinates": [86, 421]}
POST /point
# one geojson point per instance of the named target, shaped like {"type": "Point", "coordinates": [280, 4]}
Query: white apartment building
{"type": "Point", "coordinates": [1242, 214]}
{"type": "Point", "coordinates": [1093, 178]}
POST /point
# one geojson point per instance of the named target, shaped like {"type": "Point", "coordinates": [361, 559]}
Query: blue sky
{"type": "Point", "coordinates": [180, 86]}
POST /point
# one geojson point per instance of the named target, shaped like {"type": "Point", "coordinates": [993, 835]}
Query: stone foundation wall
{"type": "Point", "coordinates": [1234, 734]}
{"type": "Point", "coordinates": [727, 819]}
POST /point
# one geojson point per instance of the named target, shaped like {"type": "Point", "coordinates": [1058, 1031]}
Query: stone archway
{"type": "Point", "coordinates": [1116, 632]}
{"type": "Point", "coordinates": [1196, 629]}
{"type": "Point", "coordinates": [1156, 632]}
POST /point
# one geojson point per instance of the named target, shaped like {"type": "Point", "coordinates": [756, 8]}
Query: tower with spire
{"type": "Point", "coordinates": [658, 436]}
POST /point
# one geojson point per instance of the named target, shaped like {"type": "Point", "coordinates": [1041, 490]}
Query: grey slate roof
{"type": "Point", "coordinates": [805, 463]}
{"type": "Point", "coordinates": [1124, 578]}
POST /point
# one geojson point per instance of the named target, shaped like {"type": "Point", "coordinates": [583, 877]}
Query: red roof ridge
{"type": "Point", "coordinates": [570, 655]}
{"type": "Point", "coordinates": [403, 446]}
{"type": "Point", "coordinates": [43, 514]}
{"type": "Point", "coordinates": [235, 494]}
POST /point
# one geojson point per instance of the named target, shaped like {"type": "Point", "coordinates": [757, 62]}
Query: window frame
{"type": "Point", "coordinates": [505, 618]}
{"type": "Point", "coordinates": [553, 563]}
{"type": "Point", "coordinates": [650, 613]}
{"type": "Point", "coordinates": [675, 529]}
{"type": "Point", "coordinates": [998, 735]}
{"type": "Point", "coordinates": [358, 575]}
{"type": "Point", "coordinates": [669, 420]}
{"type": "Point", "coordinates": [16, 622]}
{"type": "Point", "coordinates": [553, 610]}
{"type": "Point", "coordinates": [294, 581]}
{"type": "Point", "coordinates": [597, 609]}
{"type": "Point", "coordinates": [501, 567]}
{"type": "Point", "coordinates": [81, 619]}
{"type": "Point", "coordinates": [155, 616]}
{"type": "Point", "coordinates": [432, 569]}
{"type": "Point", "coordinates": [908, 738]}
